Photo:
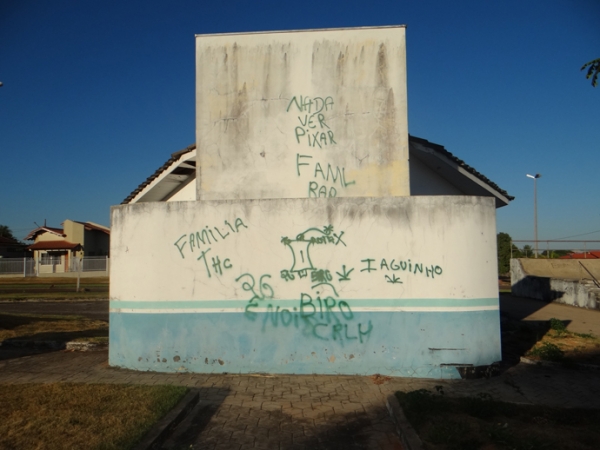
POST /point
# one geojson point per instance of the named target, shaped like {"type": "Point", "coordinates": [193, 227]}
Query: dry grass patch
{"type": "Point", "coordinates": [43, 288]}
{"type": "Point", "coordinates": [547, 341]}
{"type": "Point", "coordinates": [51, 328]}
{"type": "Point", "coordinates": [91, 416]}
{"type": "Point", "coordinates": [560, 345]}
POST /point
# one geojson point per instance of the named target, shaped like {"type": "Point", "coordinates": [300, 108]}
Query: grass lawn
{"type": "Point", "coordinates": [43, 288]}
{"type": "Point", "coordinates": [483, 423]}
{"type": "Point", "coordinates": [79, 416]}
{"type": "Point", "coordinates": [42, 327]}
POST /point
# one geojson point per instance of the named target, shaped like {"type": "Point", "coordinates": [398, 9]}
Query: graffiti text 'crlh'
{"type": "Point", "coordinates": [324, 319]}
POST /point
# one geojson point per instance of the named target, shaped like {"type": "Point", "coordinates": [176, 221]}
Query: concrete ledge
{"type": "Point", "coordinates": [86, 346]}
{"type": "Point", "coordinates": [559, 281]}
{"type": "Point", "coordinates": [409, 437]}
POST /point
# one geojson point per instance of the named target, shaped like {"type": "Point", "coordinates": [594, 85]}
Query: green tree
{"type": "Point", "coordinates": [6, 232]}
{"type": "Point", "coordinates": [527, 251]}
{"type": "Point", "coordinates": [593, 68]}
{"type": "Point", "coordinates": [504, 241]}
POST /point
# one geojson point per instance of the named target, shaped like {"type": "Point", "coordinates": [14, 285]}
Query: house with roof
{"type": "Point", "coordinates": [54, 249]}
{"type": "Point", "coordinates": [433, 170]}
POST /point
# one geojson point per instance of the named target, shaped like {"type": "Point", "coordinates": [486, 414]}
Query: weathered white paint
{"type": "Point", "coordinates": [257, 276]}
{"type": "Point", "coordinates": [263, 98]}
{"type": "Point", "coordinates": [455, 233]}
{"type": "Point", "coordinates": [340, 268]}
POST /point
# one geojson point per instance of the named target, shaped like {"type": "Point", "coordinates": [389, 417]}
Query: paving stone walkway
{"type": "Point", "coordinates": [302, 411]}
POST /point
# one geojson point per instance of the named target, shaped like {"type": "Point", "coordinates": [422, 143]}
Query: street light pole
{"type": "Point", "coordinates": [535, 226]}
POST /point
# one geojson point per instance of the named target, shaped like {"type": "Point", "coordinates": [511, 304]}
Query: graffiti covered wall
{"type": "Point", "coordinates": [318, 113]}
{"type": "Point", "coordinates": [305, 252]}
{"type": "Point", "coordinates": [402, 286]}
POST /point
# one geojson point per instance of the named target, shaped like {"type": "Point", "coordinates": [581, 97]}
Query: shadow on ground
{"type": "Point", "coordinates": [20, 352]}
{"type": "Point", "coordinates": [570, 350]}
{"type": "Point", "coordinates": [518, 338]}
{"type": "Point", "coordinates": [43, 341]}
{"type": "Point", "coordinates": [210, 425]}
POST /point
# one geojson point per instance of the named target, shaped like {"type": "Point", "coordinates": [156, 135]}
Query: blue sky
{"type": "Point", "coordinates": [98, 94]}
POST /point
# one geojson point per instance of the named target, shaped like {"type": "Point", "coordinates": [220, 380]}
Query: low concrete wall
{"type": "Point", "coordinates": [567, 269]}
{"type": "Point", "coordinates": [403, 286]}
{"type": "Point", "coordinates": [561, 281]}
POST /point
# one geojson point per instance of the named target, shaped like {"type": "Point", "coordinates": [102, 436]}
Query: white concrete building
{"type": "Point", "coordinates": [307, 232]}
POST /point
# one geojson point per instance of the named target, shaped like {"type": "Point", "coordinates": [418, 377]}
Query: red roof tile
{"type": "Point", "coordinates": [53, 245]}
{"type": "Point", "coordinates": [593, 254]}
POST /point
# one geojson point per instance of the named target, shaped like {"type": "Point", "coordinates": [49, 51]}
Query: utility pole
{"type": "Point", "coordinates": [535, 225]}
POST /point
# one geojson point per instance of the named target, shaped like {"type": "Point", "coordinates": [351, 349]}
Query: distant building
{"type": "Point", "coordinates": [55, 248]}
{"type": "Point", "coordinates": [592, 254]}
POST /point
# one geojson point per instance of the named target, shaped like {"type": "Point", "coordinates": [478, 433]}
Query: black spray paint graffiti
{"type": "Point", "coordinates": [200, 241]}
{"type": "Point", "coordinates": [326, 319]}
{"type": "Point", "coordinates": [302, 263]}
{"type": "Point", "coordinates": [406, 266]}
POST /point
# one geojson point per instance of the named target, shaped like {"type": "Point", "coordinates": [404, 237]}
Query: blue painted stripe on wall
{"type": "Point", "coordinates": [399, 344]}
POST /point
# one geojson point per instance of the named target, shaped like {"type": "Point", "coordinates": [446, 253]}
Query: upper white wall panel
{"type": "Point", "coordinates": [302, 114]}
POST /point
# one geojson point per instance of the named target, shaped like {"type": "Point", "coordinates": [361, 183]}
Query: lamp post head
{"type": "Point", "coordinates": [537, 175]}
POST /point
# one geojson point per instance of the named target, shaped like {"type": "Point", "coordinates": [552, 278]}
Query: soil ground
{"type": "Point", "coordinates": [483, 423]}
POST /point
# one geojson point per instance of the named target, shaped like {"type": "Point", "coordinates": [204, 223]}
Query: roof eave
{"type": "Point", "coordinates": [154, 179]}
{"type": "Point", "coordinates": [456, 164]}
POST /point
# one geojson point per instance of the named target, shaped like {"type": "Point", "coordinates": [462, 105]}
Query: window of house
{"type": "Point", "coordinates": [50, 258]}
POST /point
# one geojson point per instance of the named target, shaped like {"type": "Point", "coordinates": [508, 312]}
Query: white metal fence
{"type": "Point", "coordinates": [17, 266]}
{"type": "Point", "coordinates": [90, 264]}
{"type": "Point", "coordinates": [28, 267]}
